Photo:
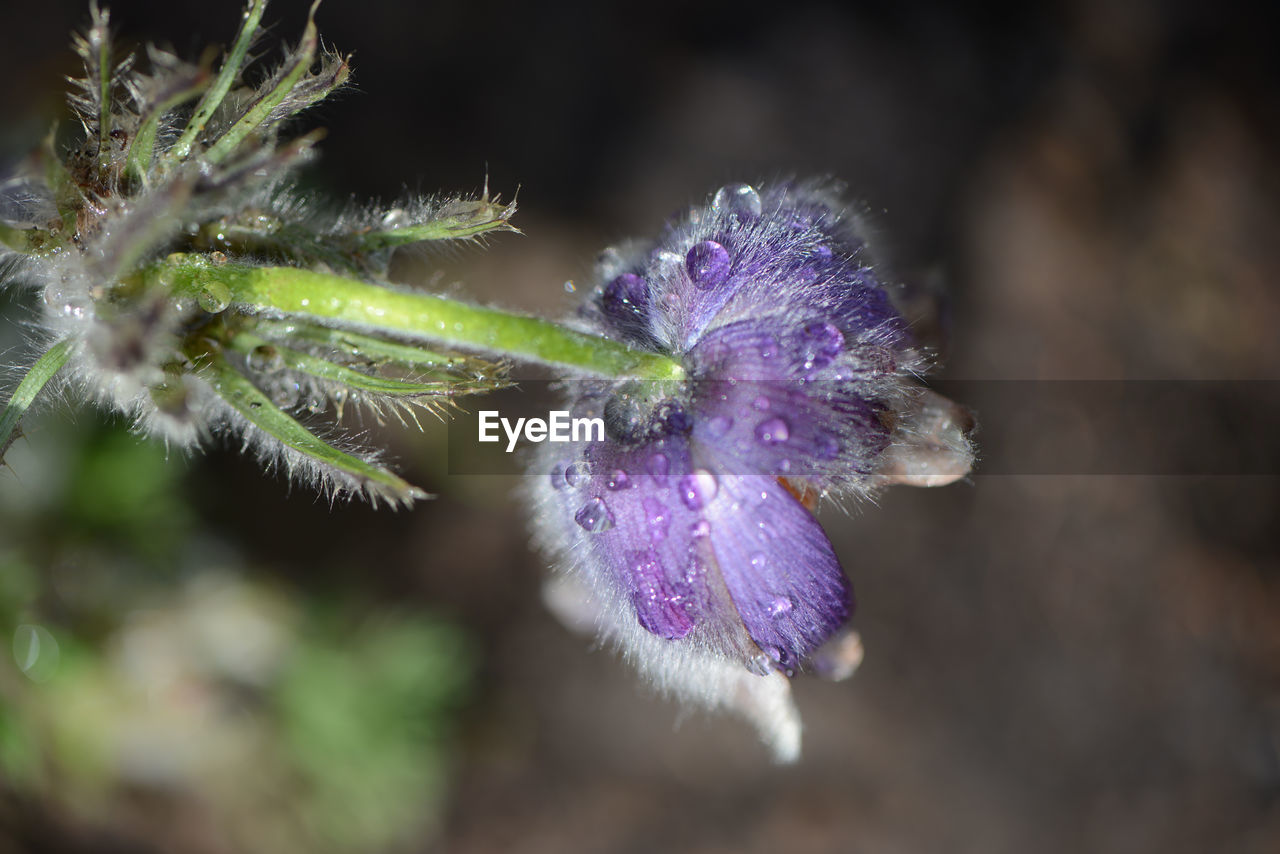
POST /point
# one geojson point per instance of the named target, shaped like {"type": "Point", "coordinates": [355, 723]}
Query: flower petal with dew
{"type": "Point", "coordinates": [687, 535]}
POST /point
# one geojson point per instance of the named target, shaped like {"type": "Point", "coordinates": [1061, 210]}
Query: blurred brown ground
{"type": "Point", "coordinates": [1054, 663]}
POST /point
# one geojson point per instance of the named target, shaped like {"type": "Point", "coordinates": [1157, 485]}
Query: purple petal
{"type": "Point", "coordinates": [772, 402]}
{"type": "Point", "coordinates": [779, 568]}
{"type": "Point", "coordinates": [650, 551]}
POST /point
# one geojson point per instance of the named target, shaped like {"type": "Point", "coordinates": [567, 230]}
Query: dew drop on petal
{"type": "Point", "coordinates": [761, 403]}
{"type": "Point", "coordinates": [773, 431]}
{"type": "Point", "coordinates": [626, 296]}
{"type": "Point", "coordinates": [700, 529]}
{"type": "Point", "coordinates": [760, 664]}
{"type": "Point", "coordinates": [618, 480]}
{"type": "Point", "coordinates": [719, 426]}
{"type": "Point", "coordinates": [708, 264]}
{"type": "Point", "coordinates": [739, 199]}
{"type": "Point", "coordinates": [658, 466]}
{"type": "Point", "coordinates": [823, 338]}
{"type": "Point", "coordinates": [573, 475]}
{"type": "Point", "coordinates": [779, 606]}
{"type": "Point", "coordinates": [698, 489]}
{"type": "Point", "coordinates": [594, 516]}
{"type": "Point", "coordinates": [557, 476]}
{"type": "Point", "coordinates": [759, 561]}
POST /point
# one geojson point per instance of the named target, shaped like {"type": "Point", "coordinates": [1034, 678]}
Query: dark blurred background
{"type": "Point", "coordinates": [1054, 663]}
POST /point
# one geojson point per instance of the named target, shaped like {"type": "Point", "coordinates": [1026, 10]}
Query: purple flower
{"type": "Point", "coordinates": [688, 535]}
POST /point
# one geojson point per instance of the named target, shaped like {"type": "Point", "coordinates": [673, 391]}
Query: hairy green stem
{"type": "Point", "coordinates": [227, 75]}
{"type": "Point", "coordinates": [256, 115]}
{"type": "Point", "coordinates": [349, 303]}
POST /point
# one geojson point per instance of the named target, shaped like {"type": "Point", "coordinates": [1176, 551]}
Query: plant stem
{"type": "Point", "coordinates": [350, 303]}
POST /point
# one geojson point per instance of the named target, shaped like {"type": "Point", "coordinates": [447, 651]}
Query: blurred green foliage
{"type": "Point", "coordinates": [141, 655]}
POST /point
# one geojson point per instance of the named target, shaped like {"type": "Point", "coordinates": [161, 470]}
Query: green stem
{"type": "Point", "coordinates": [227, 75]}
{"type": "Point", "coordinates": [256, 115]}
{"type": "Point", "coordinates": [349, 303]}
{"type": "Point", "coordinates": [27, 391]}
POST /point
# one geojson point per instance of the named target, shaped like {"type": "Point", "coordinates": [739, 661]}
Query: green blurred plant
{"type": "Point", "coordinates": [291, 720]}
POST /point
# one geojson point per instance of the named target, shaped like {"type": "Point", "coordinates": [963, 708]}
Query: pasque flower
{"type": "Point", "coordinates": [688, 532]}
{"type": "Point", "coordinates": [746, 364]}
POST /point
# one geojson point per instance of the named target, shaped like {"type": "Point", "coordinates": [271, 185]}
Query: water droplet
{"type": "Point", "coordinates": [700, 529]}
{"type": "Point", "coordinates": [822, 339]}
{"type": "Point", "coordinates": [315, 402]}
{"type": "Point", "coordinates": [760, 664]}
{"type": "Point", "coordinates": [214, 297]}
{"type": "Point", "coordinates": [761, 403]}
{"type": "Point", "coordinates": [264, 359]}
{"type": "Point", "coordinates": [826, 447]}
{"type": "Point", "coordinates": [772, 431]}
{"type": "Point", "coordinates": [574, 475]}
{"type": "Point", "coordinates": [557, 476]}
{"type": "Point", "coordinates": [698, 489]}
{"type": "Point", "coordinates": [759, 560]}
{"type": "Point", "coordinates": [36, 652]}
{"type": "Point", "coordinates": [769, 347]}
{"type": "Point", "coordinates": [594, 516]}
{"type": "Point", "coordinates": [719, 426]}
{"type": "Point", "coordinates": [659, 519]}
{"type": "Point", "coordinates": [658, 466]}
{"type": "Point", "coordinates": [618, 480]}
{"type": "Point", "coordinates": [625, 298]}
{"type": "Point", "coordinates": [779, 606]}
{"type": "Point", "coordinates": [708, 264]}
{"type": "Point", "coordinates": [625, 419]}
{"type": "Point", "coordinates": [738, 199]}
{"type": "Point", "coordinates": [286, 394]}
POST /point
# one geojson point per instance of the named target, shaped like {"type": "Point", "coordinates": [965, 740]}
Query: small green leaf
{"type": "Point", "coordinates": [427, 363]}
{"type": "Point", "coordinates": [227, 76]}
{"type": "Point", "coordinates": [247, 399]}
{"type": "Point", "coordinates": [25, 394]}
{"type": "Point", "coordinates": [260, 110]}
{"type": "Point", "coordinates": [298, 360]}
{"type": "Point", "coordinates": [458, 219]}
{"type": "Point", "coordinates": [142, 147]}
